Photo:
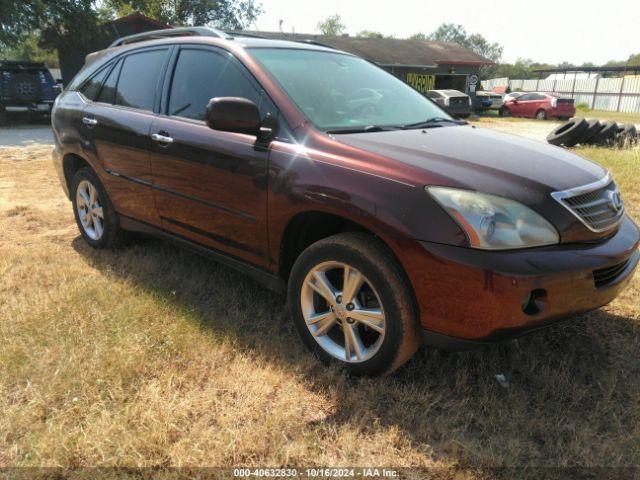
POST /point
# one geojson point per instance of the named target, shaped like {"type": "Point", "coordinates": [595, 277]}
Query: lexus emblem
{"type": "Point", "coordinates": [615, 201]}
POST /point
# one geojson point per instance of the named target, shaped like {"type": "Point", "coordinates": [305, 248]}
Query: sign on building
{"type": "Point", "coordinates": [422, 83]}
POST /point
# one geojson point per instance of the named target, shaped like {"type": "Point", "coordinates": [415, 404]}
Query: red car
{"type": "Point", "coordinates": [539, 105]}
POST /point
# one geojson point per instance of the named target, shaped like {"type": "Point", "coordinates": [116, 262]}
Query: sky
{"type": "Point", "coordinates": [545, 31]}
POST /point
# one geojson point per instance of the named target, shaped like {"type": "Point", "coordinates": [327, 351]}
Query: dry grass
{"type": "Point", "coordinates": [151, 356]}
{"type": "Point", "coordinates": [620, 117]}
{"type": "Point", "coordinates": [602, 115]}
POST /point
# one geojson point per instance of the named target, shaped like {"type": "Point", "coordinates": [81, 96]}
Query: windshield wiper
{"type": "Point", "coordinates": [434, 122]}
{"type": "Point", "coordinates": [368, 128]}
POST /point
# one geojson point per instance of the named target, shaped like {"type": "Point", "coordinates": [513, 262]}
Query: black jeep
{"type": "Point", "coordinates": [25, 88]}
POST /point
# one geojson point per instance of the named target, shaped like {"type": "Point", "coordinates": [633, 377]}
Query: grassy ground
{"type": "Point", "coordinates": [602, 115]}
{"type": "Point", "coordinates": [151, 356]}
{"type": "Point", "coordinates": [620, 117]}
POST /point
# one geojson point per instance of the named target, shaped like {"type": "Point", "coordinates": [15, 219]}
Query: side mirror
{"type": "Point", "coordinates": [233, 114]}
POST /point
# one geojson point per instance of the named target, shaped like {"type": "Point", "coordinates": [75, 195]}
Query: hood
{"type": "Point", "coordinates": [483, 160]}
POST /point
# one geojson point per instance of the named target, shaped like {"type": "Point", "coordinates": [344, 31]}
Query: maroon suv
{"type": "Point", "coordinates": [315, 171]}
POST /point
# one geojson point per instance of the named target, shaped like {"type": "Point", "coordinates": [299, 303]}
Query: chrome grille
{"type": "Point", "coordinates": [597, 205]}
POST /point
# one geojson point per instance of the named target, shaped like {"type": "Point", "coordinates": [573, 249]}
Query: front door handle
{"type": "Point", "coordinates": [91, 122]}
{"type": "Point", "coordinates": [161, 138]}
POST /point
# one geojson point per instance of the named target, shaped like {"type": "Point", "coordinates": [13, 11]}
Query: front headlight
{"type": "Point", "coordinates": [495, 223]}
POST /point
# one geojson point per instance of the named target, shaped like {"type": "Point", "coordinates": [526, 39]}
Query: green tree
{"type": "Point", "coordinates": [74, 27]}
{"type": "Point", "coordinates": [332, 25]}
{"type": "Point", "coordinates": [418, 36]}
{"type": "Point", "coordinates": [228, 14]}
{"type": "Point", "coordinates": [14, 16]}
{"type": "Point", "coordinates": [449, 32]}
{"type": "Point", "coordinates": [28, 48]}
{"type": "Point", "coordinates": [369, 34]}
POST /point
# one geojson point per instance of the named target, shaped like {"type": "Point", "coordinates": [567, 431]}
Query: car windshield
{"type": "Point", "coordinates": [337, 91]}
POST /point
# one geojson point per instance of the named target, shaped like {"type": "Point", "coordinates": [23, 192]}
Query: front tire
{"type": "Point", "coordinates": [94, 213]}
{"type": "Point", "coordinates": [351, 305]}
{"type": "Point", "coordinates": [541, 115]}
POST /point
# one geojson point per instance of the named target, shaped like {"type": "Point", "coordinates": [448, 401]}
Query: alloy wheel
{"type": "Point", "coordinates": [343, 312]}
{"type": "Point", "coordinates": [90, 210]}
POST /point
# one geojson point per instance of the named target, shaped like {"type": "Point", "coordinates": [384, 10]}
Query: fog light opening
{"type": "Point", "coordinates": [535, 301]}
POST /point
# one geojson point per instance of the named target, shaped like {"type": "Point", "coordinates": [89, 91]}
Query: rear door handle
{"type": "Point", "coordinates": [161, 138]}
{"type": "Point", "coordinates": [92, 122]}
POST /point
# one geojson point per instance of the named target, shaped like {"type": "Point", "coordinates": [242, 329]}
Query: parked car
{"type": "Point", "coordinates": [25, 88]}
{"type": "Point", "coordinates": [539, 105]}
{"type": "Point", "coordinates": [488, 101]}
{"type": "Point", "coordinates": [511, 96]}
{"type": "Point", "coordinates": [452, 101]}
{"type": "Point", "coordinates": [385, 220]}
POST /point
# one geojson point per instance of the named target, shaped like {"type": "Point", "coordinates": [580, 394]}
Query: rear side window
{"type": "Point", "coordinates": [203, 74]}
{"type": "Point", "coordinates": [139, 78]}
{"type": "Point", "coordinates": [108, 92]}
{"type": "Point", "coordinates": [91, 88]}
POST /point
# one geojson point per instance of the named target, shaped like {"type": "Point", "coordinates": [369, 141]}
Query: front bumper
{"type": "Point", "coordinates": [561, 113]}
{"type": "Point", "coordinates": [461, 109]}
{"type": "Point", "coordinates": [481, 296]}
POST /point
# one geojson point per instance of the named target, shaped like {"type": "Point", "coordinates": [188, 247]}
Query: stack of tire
{"type": "Point", "coordinates": [593, 132]}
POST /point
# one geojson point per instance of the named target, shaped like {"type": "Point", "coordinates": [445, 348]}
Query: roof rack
{"type": "Point", "coordinates": [170, 32]}
{"type": "Point", "coordinates": [240, 33]}
{"type": "Point", "coordinates": [311, 41]}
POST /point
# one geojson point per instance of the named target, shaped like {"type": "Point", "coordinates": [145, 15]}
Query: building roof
{"type": "Point", "coordinates": [388, 52]}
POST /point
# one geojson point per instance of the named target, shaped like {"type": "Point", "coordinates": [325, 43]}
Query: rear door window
{"type": "Point", "coordinates": [138, 81]}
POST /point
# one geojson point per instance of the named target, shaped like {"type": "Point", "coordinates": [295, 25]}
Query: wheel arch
{"type": "Point", "coordinates": [308, 227]}
{"type": "Point", "coordinates": [71, 163]}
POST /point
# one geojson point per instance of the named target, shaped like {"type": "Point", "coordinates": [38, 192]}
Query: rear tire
{"type": "Point", "coordinates": [569, 133]}
{"type": "Point", "coordinates": [627, 135]}
{"type": "Point", "coordinates": [593, 127]}
{"type": "Point", "coordinates": [384, 319]}
{"type": "Point", "coordinates": [607, 134]}
{"type": "Point", "coordinates": [94, 213]}
{"type": "Point", "coordinates": [25, 87]}
{"type": "Point", "coordinates": [541, 115]}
